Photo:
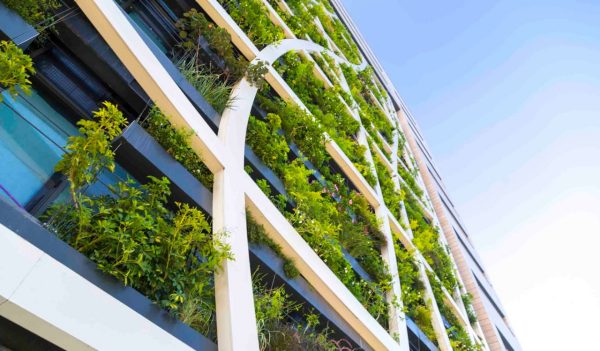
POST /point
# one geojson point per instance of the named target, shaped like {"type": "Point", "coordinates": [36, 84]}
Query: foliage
{"type": "Point", "coordinates": [89, 153]}
{"type": "Point", "coordinates": [211, 86]}
{"type": "Point", "coordinates": [413, 291]}
{"type": "Point", "coordinates": [257, 235]}
{"type": "Point", "coordinates": [194, 26]}
{"type": "Point", "coordinates": [300, 129]}
{"type": "Point", "coordinates": [15, 68]}
{"type": "Point", "coordinates": [361, 86]}
{"type": "Point", "coordinates": [263, 139]}
{"type": "Point", "coordinates": [410, 180]}
{"type": "Point", "coordinates": [37, 13]}
{"type": "Point", "coordinates": [427, 240]}
{"type": "Point", "coordinates": [468, 302]}
{"type": "Point", "coordinates": [327, 107]}
{"type": "Point", "coordinates": [459, 337]}
{"type": "Point", "coordinates": [177, 143]}
{"type": "Point", "coordinates": [131, 235]}
{"type": "Point", "coordinates": [337, 32]}
{"type": "Point", "coordinates": [256, 74]}
{"type": "Point", "coordinates": [252, 16]}
{"type": "Point", "coordinates": [302, 23]}
{"type": "Point", "coordinates": [391, 196]}
{"type": "Point", "coordinates": [277, 328]}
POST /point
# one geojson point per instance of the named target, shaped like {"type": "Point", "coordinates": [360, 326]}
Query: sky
{"type": "Point", "coordinates": [507, 95]}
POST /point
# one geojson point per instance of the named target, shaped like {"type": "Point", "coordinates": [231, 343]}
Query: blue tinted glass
{"type": "Point", "coordinates": [32, 135]}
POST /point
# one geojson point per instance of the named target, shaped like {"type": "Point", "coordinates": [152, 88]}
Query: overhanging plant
{"type": "Point", "coordinates": [16, 68]}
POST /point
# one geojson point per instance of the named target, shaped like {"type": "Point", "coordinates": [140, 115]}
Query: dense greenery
{"type": "Point", "coordinates": [257, 235]}
{"type": "Point", "coordinates": [194, 27]}
{"type": "Point", "coordinates": [253, 17]}
{"type": "Point", "coordinates": [459, 337]}
{"type": "Point", "coordinates": [327, 107]}
{"type": "Point", "coordinates": [16, 68]}
{"type": "Point", "coordinates": [427, 240]}
{"type": "Point", "coordinates": [413, 291]}
{"type": "Point", "coordinates": [177, 143]}
{"type": "Point", "coordinates": [281, 324]}
{"type": "Point", "coordinates": [336, 31]}
{"type": "Point", "coordinates": [327, 215]}
{"type": "Point", "coordinates": [410, 180]}
{"type": "Point", "coordinates": [373, 117]}
{"type": "Point", "coordinates": [302, 21]}
{"type": "Point", "coordinates": [131, 235]}
{"type": "Point", "coordinates": [391, 196]}
{"type": "Point", "coordinates": [468, 302]}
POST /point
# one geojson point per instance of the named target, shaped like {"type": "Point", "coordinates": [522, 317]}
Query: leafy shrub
{"type": "Point", "coordinates": [278, 330]}
{"type": "Point", "coordinates": [257, 235]}
{"type": "Point", "coordinates": [427, 240]}
{"type": "Point", "coordinates": [177, 143]}
{"type": "Point", "coordinates": [413, 291]}
{"type": "Point", "coordinates": [391, 196]}
{"type": "Point", "coordinates": [15, 68]}
{"type": "Point", "coordinates": [263, 139]}
{"type": "Point", "coordinates": [193, 26]}
{"type": "Point", "coordinates": [252, 16]}
{"type": "Point", "coordinates": [459, 337]}
{"type": "Point", "coordinates": [468, 302]}
{"type": "Point", "coordinates": [131, 235]}
{"type": "Point", "coordinates": [337, 32]}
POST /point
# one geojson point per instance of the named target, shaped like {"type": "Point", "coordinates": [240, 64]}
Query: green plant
{"type": "Point", "coordinates": [459, 337]}
{"type": "Point", "coordinates": [257, 235]}
{"type": "Point", "coordinates": [256, 74]}
{"type": "Point", "coordinates": [427, 240]}
{"type": "Point", "coordinates": [131, 235]}
{"type": "Point", "coordinates": [210, 85]}
{"type": "Point", "coordinates": [277, 329]}
{"type": "Point", "coordinates": [38, 13]}
{"type": "Point", "coordinates": [264, 139]}
{"type": "Point", "coordinates": [177, 143]}
{"type": "Point", "coordinates": [468, 302]}
{"type": "Point", "coordinates": [16, 68]}
{"type": "Point", "coordinates": [252, 16]}
{"type": "Point", "coordinates": [337, 32]}
{"type": "Point", "coordinates": [194, 26]}
{"type": "Point", "coordinates": [413, 290]}
{"type": "Point", "coordinates": [391, 196]}
{"type": "Point", "coordinates": [89, 153]}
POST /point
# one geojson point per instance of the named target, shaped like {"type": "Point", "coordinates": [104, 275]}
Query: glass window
{"type": "Point", "coordinates": [32, 134]}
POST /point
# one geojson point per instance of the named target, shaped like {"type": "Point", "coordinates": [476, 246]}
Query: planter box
{"type": "Point", "coordinates": [13, 27]}
{"type": "Point", "coordinates": [29, 228]}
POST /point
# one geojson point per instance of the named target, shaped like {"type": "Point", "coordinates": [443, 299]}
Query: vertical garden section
{"type": "Point", "coordinates": [336, 222]}
{"type": "Point", "coordinates": [169, 255]}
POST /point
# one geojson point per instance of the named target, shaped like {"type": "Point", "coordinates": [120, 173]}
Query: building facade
{"type": "Point", "coordinates": [221, 174]}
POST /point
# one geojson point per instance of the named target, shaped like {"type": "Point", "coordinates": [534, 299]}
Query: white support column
{"type": "Point", "coordinates": [236, 322]}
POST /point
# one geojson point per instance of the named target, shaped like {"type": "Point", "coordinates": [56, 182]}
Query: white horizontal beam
{"type": "Point", "coordinates": [46, 297]}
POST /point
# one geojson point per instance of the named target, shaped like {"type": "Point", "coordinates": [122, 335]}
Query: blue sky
{"type": "Point", "coordinates": [507, 94]}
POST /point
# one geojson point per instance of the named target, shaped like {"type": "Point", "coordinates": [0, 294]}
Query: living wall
{"type": "Point", "coordinates": [253, 17]}
{"type": "Point", "coordinates": [413, 291]}
{"type": "Point", "coordinates": [282, 323]}
{"type": "Point", "coordinates": [329, 216]}
{"type": "Point", "coordinates": [327, 107]}
{"type": "Point", "coordinates": [458, 335]}
{"type": "Point", "coordinates": [427, 240]}
{"type": "Point", "coordinates": [131, 234]}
